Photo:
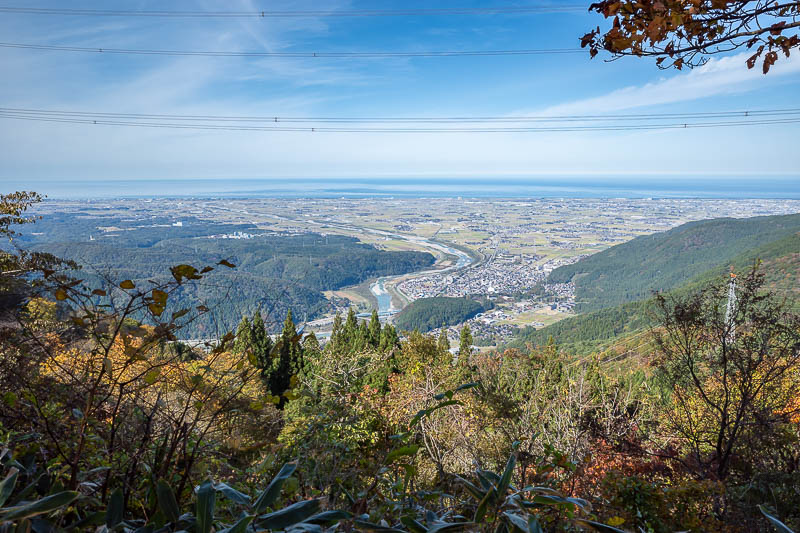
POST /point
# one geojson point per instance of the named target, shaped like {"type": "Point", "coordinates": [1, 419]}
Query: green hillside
{"type": "Point", "coordinates": [780, 260]}
{"type": "Point", "coordinates": [664, 261]}
{"type": "Point", "coordinates": [584, 333]}
{"type": "Point", "coordinates": [427, 314]}
{"type": "Point", "coordinates": [275, 272]}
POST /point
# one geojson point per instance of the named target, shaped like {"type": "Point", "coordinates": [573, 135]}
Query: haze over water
{"type": "Point", "coordinates": [541, 187]}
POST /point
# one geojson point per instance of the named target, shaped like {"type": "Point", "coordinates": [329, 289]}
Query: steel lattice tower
{"type": "Point", "coordinates": [730, 310]}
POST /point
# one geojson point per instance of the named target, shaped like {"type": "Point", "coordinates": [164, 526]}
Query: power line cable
{"type": "Point", "coordinates": [229, 127]}
{"type": "Point", "coordinates": [414, 12]}
{"type": "Point", "coordinates": [756, 113]}
{"type": "Point", "coordinates": [340, 55]}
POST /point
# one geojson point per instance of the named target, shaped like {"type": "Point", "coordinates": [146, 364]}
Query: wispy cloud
{"type": "Point", "coordinates": [727, 75]}
{"type": "Point", "coordinates": [402, 87]}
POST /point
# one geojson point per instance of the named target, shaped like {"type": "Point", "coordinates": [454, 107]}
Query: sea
{"type": "Point", "coordinates": [660, 186]}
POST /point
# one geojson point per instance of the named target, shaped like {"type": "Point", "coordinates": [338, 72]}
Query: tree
{"type": "Point", "coordinates": [361, 340]}
{"type": "Point", "coordinates": [262, 343]}
{"type": "Point", "coordinates": [465, 343]}
{"type": "Point", "coordinates": [682, 33]}
{"type": "Point", "coordinates": [244, 337]}
{"type": "Point", "coordinates": [443, 341]}
{"type": "Point", "coordinates": [337, 341]}
{"type": "Point", "coordinates": [728, 378]}
{"type": "Point", "coordinates": [350, 329]}
{"type": "Point", "coordinates": [374, 329]}
{"type": "Point", "coordinates": [354, 336]}
{"type": "Point", "coordinates": [12, 208]}
{"type": "Point", "coordinates": [21, 270]}
{"type": "Point", "coordinates": [108, 385]}
{"type": "Point", "coordinates": [289, 364]}
{"type": "Point", "coordinates": [389, 338]}
{"type": "Point", "coordinates": [311, 345]}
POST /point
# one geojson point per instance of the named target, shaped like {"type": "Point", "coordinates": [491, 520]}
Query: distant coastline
{"type": "Point", "coordinates": [776, 187]}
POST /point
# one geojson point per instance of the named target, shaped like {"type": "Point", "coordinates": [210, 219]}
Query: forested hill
{"type": "Point", "coordinates": [663, 261]}
{"type": "Point", "coordinates": [274, 272]}
{"type": "Point", "coordinates": [427, 314]}
{"type": "Point", "coordinates": [779, 259]}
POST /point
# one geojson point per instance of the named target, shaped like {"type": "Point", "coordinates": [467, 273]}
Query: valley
{"type": "Point", "coordinates": [503, 250]}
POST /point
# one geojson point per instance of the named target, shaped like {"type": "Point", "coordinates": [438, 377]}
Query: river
{"type": "Point", "coordinates": [378, 288]}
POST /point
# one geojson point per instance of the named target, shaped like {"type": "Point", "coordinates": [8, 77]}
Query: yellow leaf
{"type": "Point", "coordinates": [615, 521]}
{"type": "Point", "coordinates": [179, 272]}
{"type": "Point", "coordinates": [290, 395]}
{"type": "Point", "coordinates": [61, 295]}
{"type": "Point", "coordinates": [159, 297]}
{"type": "Point", "coordinates": [127, 285]}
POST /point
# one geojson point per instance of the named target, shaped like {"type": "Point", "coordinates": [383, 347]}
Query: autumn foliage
{"type": "Point", "coordinates": [685, 33]}
{"type": "Point", "coordinates": [384, 432]}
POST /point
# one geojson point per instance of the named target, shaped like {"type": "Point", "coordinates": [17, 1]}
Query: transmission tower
{"type": "Point", "coordinates": [730, 310]}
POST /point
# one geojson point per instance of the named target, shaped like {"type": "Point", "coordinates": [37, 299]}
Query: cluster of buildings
{"type": "Point", "coordinates": [501, 274]}
{"type": "Point", "coordinates": [234, 235]}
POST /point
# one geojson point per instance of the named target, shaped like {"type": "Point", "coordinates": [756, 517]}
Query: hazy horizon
{"type": "Point", "coordinates": [778, 187]}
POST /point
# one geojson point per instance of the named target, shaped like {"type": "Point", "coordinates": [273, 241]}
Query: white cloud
{"type": "Point", "coordinates": [726, 75]}
{"type": "Point", "coordinates": [227, 86]}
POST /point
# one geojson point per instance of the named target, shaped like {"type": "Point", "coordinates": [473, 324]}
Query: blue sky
{"type": "Point", "coordinates": [463, 86]}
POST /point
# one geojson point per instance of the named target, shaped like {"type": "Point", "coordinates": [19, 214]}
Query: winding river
{"type": "Point", "coordinates": [378, 288]}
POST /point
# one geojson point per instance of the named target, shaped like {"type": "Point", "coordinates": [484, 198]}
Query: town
{"type": "Point", "coordinates": [497, 249]}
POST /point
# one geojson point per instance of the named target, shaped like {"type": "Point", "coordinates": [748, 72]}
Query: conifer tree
{"type": "Point", "coordinates": [465, 344]}
{"type": "Point", "coordinates": [261, 342]}
{"type": "Point", "coordinates": [443, 341]}
{"type": "Point", "coordinates": [289, 361]}
{"type": "Point", "coordinates": [389, 338]}
{"type": "Point", "coordinates": [244, 337]}
{"type": "Point", "coordinates": [375, 330]}
{"type": "Point", "coordinates": [337, 341]}
{"type": "Point", "coordinates": [311, 345]}
{"type": "Point", "coordinates": [350, 326]}
{"type": "Point", "coordinates": [362, 338]}
{"type": "Point", "coordinates": [312, 354]}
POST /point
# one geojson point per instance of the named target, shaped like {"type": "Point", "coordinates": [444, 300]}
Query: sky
{"type": "Point", "coordinates": [397, 87]}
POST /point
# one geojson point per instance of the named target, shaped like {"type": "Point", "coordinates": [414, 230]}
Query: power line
{"type": "Point", "coordinates": [314, 129]}
{"type": "Point", "coordinates": [343, 55]}
{"type": "Point", "coordinates": [502, 10]}
{"type": "Point", "coordinates": [756, 113]}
